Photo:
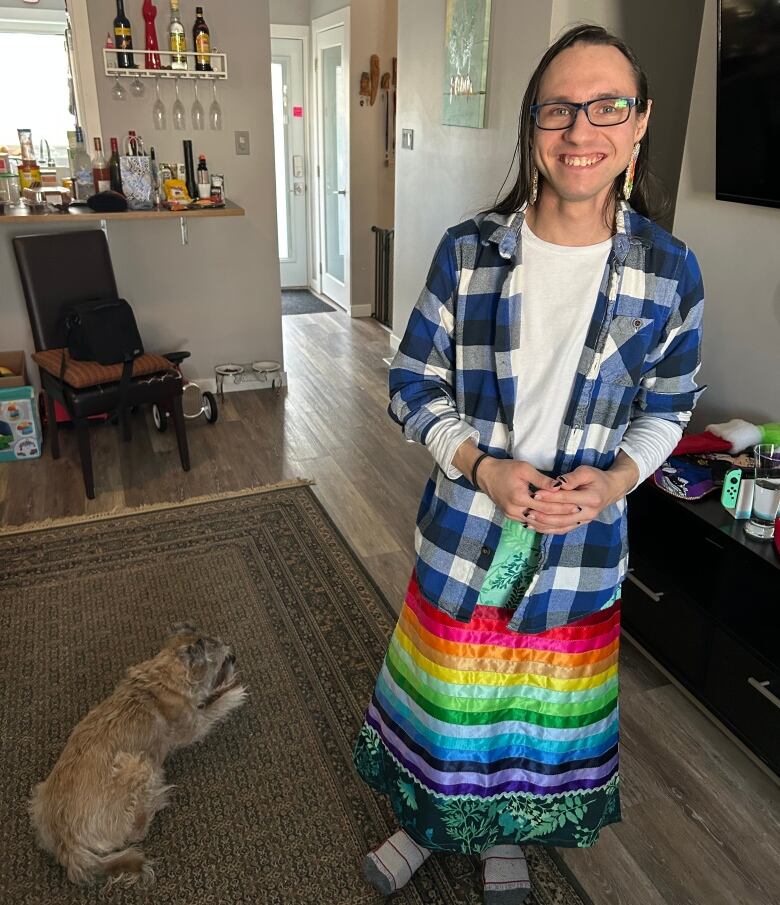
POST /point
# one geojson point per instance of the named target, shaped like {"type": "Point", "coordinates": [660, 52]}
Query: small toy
{"type": "Point", "coordinates": [196, 403]}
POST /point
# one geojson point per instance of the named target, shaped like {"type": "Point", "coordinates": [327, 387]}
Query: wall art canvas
{"type": "Point", "coordinates": [467, 39]}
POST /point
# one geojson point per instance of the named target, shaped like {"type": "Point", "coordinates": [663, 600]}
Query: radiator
{"type": "Point", "coordinates": [383, 275]}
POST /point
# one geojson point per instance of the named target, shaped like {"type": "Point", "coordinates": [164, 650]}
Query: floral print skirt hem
{"type": "Point", "coordinates": [481, 736]}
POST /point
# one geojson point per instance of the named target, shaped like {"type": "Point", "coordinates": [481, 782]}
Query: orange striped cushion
{"type": "Point", "coordinates": [80, 374]}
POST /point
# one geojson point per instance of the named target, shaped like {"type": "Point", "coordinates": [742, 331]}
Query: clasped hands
{"type": "Point", "coordinates": [555, 505]}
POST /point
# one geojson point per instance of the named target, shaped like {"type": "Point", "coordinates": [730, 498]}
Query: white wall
{"type": "Point", "coordinates": [219, 296]}
{"type": "Point", "coordinates": [453, 172]}
{"type": "Point", "coordinates": [289, 12]}
{"type": "Point", "coordinates": [737, 247]}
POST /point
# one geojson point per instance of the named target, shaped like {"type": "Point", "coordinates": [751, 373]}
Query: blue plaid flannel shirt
{"type": "Point", "coordinates": [458, 360]}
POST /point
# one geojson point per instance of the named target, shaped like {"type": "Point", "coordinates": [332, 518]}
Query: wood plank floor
{"type": "Point", "coordinates": [701, 822]}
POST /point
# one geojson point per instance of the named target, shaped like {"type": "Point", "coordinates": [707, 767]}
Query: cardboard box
{"type": "Point", "coordinates": [20, 429]}
{"type": "Point", "coordinates": [16, 363]}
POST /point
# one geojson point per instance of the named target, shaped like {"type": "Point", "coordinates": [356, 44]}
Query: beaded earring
{"type": "Point", "coordinates": [628, 182]}
{"type": "Point", "coordinates": [534, 186]}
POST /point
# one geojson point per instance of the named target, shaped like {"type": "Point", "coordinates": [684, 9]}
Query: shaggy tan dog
{"type": "Point", "coordinates": [108, 783]}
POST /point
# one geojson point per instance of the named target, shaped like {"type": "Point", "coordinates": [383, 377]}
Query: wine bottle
{"type": "Point", "coordinates": [101, 174]}
{"type": "Point", "coordinates": [177, 43]}
{"type": "Point", "coordinates": [80, 167]}
{"type": "Point", "coordinates": [201, 42]}
{"type": "Point", "coordinates": [123, 38]}
{"type": "Point", "coordinates": [113, 167]}
{"type": "Point", "coordinates": [203, 178]}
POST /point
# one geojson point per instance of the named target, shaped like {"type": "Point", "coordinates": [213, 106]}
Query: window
{"type": "Point", "coordinates": [35, 76]}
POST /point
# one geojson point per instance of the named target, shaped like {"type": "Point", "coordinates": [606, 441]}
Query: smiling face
{"type": "Point", "coordinates": [580, 164]}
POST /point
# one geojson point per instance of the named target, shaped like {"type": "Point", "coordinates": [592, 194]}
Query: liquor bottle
{"type": "Point", "coordinates": [114, 168]}
{"type": "Point", "coordinates": [80, 167]}
{"type": "Point", "coordinates": [177, 43]}
{"type": "Point", "coordinates": [101, 174]}
{"type": "Point", "coordinates": [123, 38]}
{"type": "Point", "coordinates": [134, 145]}
{"type": "Point", "coordinates": [201, 42]}
{"type": "Point", "coordinates": [203, 178]}
{"type": "Point", "coordinates": [156, 196]}
{"type": "Point", "coordinates": [29, 171]}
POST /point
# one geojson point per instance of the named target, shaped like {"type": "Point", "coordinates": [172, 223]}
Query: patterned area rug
{"type": "Point", "coordinates": [301, 301]}
{"type": "Point", "coordinates": [268, 809]}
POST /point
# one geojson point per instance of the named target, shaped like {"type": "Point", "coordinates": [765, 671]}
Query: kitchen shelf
{"type": "Point", "coordinates": [111, 68]}
{"type": "Point", "coordinates": [84, 213]}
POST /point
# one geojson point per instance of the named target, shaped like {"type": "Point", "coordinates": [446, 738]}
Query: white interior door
{"type": "Point", "coordinates": [287, 91]}
{"type": "Point", "coordinates": [332, 78]}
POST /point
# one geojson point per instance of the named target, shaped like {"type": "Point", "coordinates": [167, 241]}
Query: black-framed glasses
{"type": "Point", "coordinates": [601, 111]}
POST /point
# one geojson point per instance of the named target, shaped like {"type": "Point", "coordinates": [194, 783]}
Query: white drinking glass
{"type": "Point", "coordinates": [766, 492]}
{"type": "Point", "coordinates": [159, 117]}
{"type": "Point", "coordinates": [118, 91]}
{"type": "Point", "coordinates": [198, 113]}
{"type": "Point", "coordinates": [137, 87]}
{"type": "Point", "coordinates": [179, 114]}
{"type": "Point", "coordinates": [215, 111]}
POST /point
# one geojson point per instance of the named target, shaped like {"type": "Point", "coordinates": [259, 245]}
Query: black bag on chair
{"type": "Point", "coordinates": [103, 330]}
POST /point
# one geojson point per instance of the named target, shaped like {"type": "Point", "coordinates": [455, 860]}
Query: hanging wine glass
{"type": "Point", "coordinates": [159, 117]}
{"type": "Point", "coordinates": [215, 111]}
{"type": "Point", "coordinates": [137, 87]}
{"type": "Point", "coordinates": [198, 113]}
{"type": "Point", "coordinates": [118, 91]}
{"type": "Point", "coordinates": [179, 115]}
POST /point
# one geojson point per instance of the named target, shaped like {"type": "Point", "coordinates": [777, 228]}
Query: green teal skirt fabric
{"type": "Point", "coordinates": [480, 735]}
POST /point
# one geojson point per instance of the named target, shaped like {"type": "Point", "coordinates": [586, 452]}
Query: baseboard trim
{"type": "Point", "coordinates": [360, 311]}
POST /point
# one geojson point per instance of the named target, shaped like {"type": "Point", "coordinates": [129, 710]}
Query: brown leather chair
{"type": "Point", "coordinates": [57, 270]}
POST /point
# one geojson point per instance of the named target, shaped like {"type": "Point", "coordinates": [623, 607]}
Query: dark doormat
{"type": "Point", "coordinates": [301, 301]}
{"type": "Point", "coordinates": [268, 810]}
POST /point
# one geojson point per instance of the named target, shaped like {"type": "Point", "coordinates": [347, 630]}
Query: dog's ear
{"type": "Point", "coordinates": [194, 654]}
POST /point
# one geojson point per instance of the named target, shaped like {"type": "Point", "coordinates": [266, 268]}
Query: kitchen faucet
{"type": "Point", "coordinates": [49, 159]}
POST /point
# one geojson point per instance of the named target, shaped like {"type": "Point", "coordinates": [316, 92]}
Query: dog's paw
{"type": "Point", "coordinates": [235, 696]}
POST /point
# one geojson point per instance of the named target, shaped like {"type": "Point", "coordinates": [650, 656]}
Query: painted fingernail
{"type": "Point", "coordinates": [557, 483]}
{"type": "Point", "coordinates": [579, 508]}
{"type": "Point", "coordinates": [525, 513]}
{"type": "Point", "coordinates": [579, 523]}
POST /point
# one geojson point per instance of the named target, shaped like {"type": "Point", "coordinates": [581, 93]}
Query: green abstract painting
{"type": "Point", "coordinates": [467, 39]}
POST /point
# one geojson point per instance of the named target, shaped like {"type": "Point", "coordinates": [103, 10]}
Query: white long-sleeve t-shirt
{"type": "Point", "coordinates": [560, 286]}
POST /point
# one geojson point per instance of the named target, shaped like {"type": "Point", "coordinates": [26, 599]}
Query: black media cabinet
{"type": "Point", "coordinates": [703, 599]}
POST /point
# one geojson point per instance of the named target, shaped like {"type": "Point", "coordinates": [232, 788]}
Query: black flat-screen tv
{"type": "Point", "coordinates": [748, 106]}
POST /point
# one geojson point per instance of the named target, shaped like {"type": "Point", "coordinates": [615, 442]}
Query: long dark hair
{"type": "Point", "coordinates": [648, 196]}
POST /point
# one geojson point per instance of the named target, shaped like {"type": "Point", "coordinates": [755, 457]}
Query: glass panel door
{"type": "Point", "coordinates": [334, 160]}
{"type": "Point", "coordinates": [333, 157]}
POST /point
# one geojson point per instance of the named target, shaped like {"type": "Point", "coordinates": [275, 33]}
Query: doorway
{"type": "Point", "coordinates": [289, 53]}
{"type": "Point", "coordinates": [331, 71]}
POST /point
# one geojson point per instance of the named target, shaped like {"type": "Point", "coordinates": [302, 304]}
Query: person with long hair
{"type": "Point", "coordinates": [549, 367]}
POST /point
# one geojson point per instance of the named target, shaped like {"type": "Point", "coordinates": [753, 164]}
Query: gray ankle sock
{"type": "Point", "coordinates": [505, 875]}
{"type": "Point", "coordinates": [391, 866]}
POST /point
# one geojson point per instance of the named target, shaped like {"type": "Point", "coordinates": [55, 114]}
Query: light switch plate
{"type": "Point", "coordinates": [242, 142]}
{"type": "Point", "coordinates": [407, 139]}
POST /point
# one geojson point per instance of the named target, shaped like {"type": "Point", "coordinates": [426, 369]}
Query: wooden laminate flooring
{"type": "Point", "coordinates": [701, 822]}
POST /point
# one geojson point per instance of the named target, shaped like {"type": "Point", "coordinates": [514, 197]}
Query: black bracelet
{"type": "Point", "coordinates": [474, 468]}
